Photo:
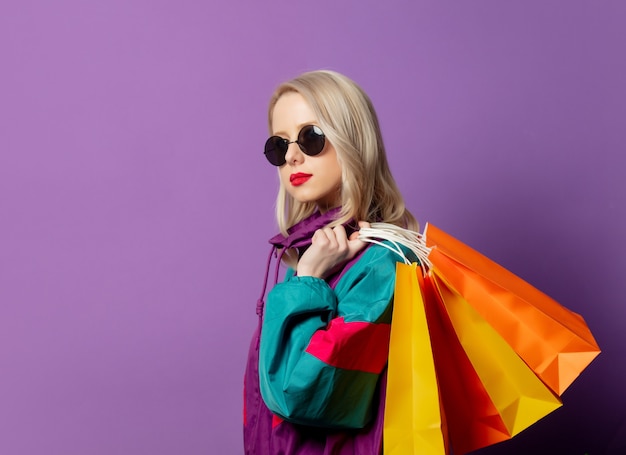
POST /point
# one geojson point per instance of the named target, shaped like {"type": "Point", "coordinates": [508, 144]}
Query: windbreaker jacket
{"type": "Point", "coordinates": [315, 377]}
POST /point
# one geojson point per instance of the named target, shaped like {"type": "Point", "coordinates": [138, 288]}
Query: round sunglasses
{"type": "Point", "coordinates": [311, 140]}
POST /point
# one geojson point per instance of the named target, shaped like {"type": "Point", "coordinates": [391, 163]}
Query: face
{"type": "Point", "coordinates": [306, 178]}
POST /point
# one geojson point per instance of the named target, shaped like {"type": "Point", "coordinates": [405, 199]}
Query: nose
{"type": "Point", "coordinates": [294, 154]}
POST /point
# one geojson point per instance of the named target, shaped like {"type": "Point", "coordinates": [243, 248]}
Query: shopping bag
{"type": "Point", "coordinates": [554, 341]}
{"type": "Point", "coordinates": [503, 351]}
{"type": "Point", "coordinates": [472, 420]}
{"type": "Point", "coordinates": [436, 340]}
{"type": "Point", "coordinates": [414, 422]}
{"type": "Point", "coordinates": [520, 397]}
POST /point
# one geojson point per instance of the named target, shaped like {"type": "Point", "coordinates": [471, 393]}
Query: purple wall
{"type": "Point", "coordinates": [135, 202]}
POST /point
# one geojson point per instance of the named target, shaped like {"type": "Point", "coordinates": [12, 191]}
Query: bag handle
{"type": "Point", "coordinates": [397, 237]}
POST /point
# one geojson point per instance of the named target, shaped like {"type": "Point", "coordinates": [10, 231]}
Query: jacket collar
{"type": "Point", "coordinates": [299, 235]}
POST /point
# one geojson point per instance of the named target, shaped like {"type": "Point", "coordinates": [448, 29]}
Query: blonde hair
{"type": "Point", "coordinates": [346, 115]}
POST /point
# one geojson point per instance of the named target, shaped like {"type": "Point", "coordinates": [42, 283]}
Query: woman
{"type": "Point", "coordinates": [316, 369]}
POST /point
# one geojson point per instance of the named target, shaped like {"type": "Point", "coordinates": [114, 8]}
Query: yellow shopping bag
{"type": "Point", "coordinates": [414, 422]}
{"type": "Point", "coordinates": [520, 397]}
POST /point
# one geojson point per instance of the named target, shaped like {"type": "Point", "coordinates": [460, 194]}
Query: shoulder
{"type": "Point", "coordinates": [387, 253]}
{"type": "Point", "coordinates": [377, 261]}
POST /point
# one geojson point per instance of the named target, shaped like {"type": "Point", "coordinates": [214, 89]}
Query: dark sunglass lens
{"type": "Point", "coordinates": [275, 150]}
{"type": "Point", "coordinates": [311, 140]}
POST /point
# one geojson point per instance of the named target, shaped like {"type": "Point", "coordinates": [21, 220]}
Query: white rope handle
{"type": "Point", "coordinates": [397, 236]}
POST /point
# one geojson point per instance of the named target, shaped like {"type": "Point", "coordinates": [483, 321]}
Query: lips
{"type": "Point", "coordinates": [299, 178]}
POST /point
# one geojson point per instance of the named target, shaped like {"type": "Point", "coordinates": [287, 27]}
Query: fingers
{"type": "Point", "coordinates": [362, 225]}
{"type": "Point", "coordinates": [340, 236]}
{"type": "Point", "coordinates": [330, 248]}
{"type": "Point", "coordinates": [334, 239]}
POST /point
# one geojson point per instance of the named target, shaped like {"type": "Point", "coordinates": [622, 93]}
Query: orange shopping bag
{"type": "Point", "coordinates": [554, 341]}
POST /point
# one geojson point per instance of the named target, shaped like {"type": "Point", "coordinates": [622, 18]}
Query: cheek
{"type": "Point", "coordinates": [333, 169]}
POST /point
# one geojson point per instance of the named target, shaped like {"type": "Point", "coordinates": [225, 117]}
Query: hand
{"type": "Point", "coordinates": [329, 250]}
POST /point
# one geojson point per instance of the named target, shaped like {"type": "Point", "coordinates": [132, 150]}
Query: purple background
{"type": "Point", "coordinates": [135, 202]}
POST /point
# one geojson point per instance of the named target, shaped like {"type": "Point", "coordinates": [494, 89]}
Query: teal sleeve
{"type": "Point", "coordinates": [322, 350]}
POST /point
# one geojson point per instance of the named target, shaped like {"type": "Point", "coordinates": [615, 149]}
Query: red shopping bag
{"type": "Point", "coordinates": [472, 418]}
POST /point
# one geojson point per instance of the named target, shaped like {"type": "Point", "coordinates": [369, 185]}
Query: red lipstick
{"type": "Point", "coordinates": [299, 178]}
